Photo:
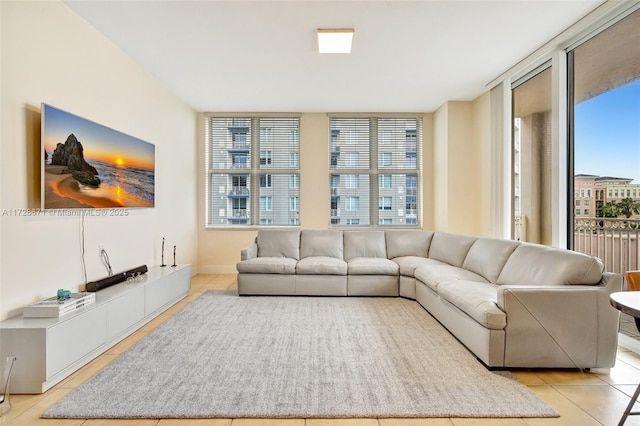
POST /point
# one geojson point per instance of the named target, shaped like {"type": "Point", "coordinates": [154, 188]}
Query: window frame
{"type": "Point", "coordinates": [262, 146]}
{"type": "Point", "coordinates": [385, 150]}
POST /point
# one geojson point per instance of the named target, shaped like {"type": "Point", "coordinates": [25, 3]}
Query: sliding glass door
{"type": "Point", "coordinates": [604, 145]}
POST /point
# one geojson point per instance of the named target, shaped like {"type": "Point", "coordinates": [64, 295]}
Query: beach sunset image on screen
{"type": "Point", "coordinates": [88, 165]}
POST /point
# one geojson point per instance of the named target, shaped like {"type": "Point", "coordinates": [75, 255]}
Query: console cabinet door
{"type": "Point", "coordinates": [74, 338]}
{"type": "Point", "coordinates": [124, 312]}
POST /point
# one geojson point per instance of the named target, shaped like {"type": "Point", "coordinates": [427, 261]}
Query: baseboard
{"type": "Point", "coordinates": [629, 343]}
{"type": "Point", "coordinates": [217, 269]}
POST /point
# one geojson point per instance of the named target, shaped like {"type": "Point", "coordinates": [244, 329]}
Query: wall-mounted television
{"type": "Point", "coordinates": [88, 165]}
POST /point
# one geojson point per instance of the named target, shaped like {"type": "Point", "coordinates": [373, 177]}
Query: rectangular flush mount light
{"type": "Point", "coordinates": [335, 40]}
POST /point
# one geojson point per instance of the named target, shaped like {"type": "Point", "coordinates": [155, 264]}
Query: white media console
{"type": "Point", "coordinates": [50, 349]}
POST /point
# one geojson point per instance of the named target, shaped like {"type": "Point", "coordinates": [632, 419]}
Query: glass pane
{"type": "Point", "coordinates": [229, 197]}
{"type": "Point", "coordinates": [606, 146]}
{"type": "Point", "coordinates": [532, 159]}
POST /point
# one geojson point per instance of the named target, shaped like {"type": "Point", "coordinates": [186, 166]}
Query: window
{"type": "Point", "coordinates": [384, 181]}
{"type": "Point", "coordinates": [294, 160]}
{"type": "Point", "coordinates": [384, 203]}
{"type": "Point", "coordinates": [360, 149]}
{"type": "Point", "coordinates": [532, 160]}
{"type": "Point", "coordinates": [352, 181]}
{"type": "Point", "coordinates": [385, 159]}
{"type": "Point", "coordinates": [238, 151]}
{"type": "Point", "coordinates": [603, 109]}
{"type": "Point", "coordinates": [266, 134]}
{"type": "Point", "coordinates": [294, 204]}
{"type": "Point", "coordinates": [577, 202]}
{"type": "Point", "coordinates": [265, 181]}
{"type": "Point", "coordinates": [265, 158]}
{"type": "Point", "coordinates": [352, 159]}
{"type": "Point", "coordinates": [265, 203]}
{"type": "Point", "coordinates": [352, 203]}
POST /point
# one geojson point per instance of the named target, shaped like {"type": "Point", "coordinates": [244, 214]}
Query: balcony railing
{"type": "Point", "coordinates": [239, 190]}
{"type": "Point", "coordinates": [615, 241]}
{"type": "Point", "coordinates": [239, 214]}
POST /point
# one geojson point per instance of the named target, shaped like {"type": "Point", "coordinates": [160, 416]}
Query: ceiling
{"type": "Point", "coordinates": [408, 56]}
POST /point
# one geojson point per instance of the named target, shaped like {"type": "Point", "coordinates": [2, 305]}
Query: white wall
{"type": "Point", "coordinates": [51, 55]}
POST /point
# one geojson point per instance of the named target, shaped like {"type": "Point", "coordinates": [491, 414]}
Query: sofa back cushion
{"type": "Point", "coordinates": [279, 243]}
{"type": "Point", "coordinates": [450, 248]}
{"type": "Point", "coordinates": [321, 243]}
{"type": "Point", "coordinates": [532, 264]}
{"type": "Point", "coordinates": [408, 243]}
{"type": "Point", "coordinates": [364, 244]}
{"type": "Point", "coordinates": [487, 257]}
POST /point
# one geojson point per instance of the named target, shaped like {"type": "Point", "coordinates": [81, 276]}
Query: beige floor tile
{"type": "Point", "coordinates": [41, 403]}
{"type": "Point", "coordinates": [527, 377]}
{"type": "Point", "coordinates": [604, 403]}
{"type": "Point", "coordinates": [117, 422]}
{"type": "Point", "coordinates": [569, 377]}
{"type": "Point", "coordinates": [489, 422]}
{"type": "Point", "coordinates": [416, 422]}
{"type": "Point", "coordinates": [621, 374]}
{"type": "Point", "coordinates": [154, 323]}
{"type": "Point", "coordinates": [570, 413]}
{"type": "Point", "coordinates": [628, 357]}
{"type": "Point", "coordinates": [342, 422]}
{"type": "Point", "coordinates": [267, 422]}
{"type": "Point", "coordinates": [195, 422]}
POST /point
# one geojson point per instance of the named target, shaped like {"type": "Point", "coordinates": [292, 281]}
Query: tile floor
{"type": "Point", "coordinates": [581, 398]}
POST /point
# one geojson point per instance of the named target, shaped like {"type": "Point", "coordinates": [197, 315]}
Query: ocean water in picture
{"type": "Point", "coordinates": [123, 184]}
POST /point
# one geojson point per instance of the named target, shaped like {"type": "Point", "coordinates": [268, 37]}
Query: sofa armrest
{"type": "Point", "coordinates": [610, 283]}
{"type": "Point", "coordinates": [249, 252]}
{"type": "Point", "coordinates": [576, 324]}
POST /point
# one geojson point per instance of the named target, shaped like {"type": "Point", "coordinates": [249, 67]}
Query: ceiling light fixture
{"type": "Point", "coordinates": [335, 40]}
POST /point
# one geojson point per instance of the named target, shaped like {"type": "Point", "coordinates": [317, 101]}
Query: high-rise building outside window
{"type": "Point", "coordinates": [367, 150]}
{"type": "Point", "coordinates": [238, 152]}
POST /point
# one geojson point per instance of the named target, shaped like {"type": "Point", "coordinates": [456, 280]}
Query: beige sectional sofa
{"type": "Point", "coordinates": [512, 304]}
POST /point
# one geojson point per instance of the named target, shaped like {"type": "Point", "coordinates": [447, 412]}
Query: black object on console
{"type": "Point", "coordinates": [115, 279]}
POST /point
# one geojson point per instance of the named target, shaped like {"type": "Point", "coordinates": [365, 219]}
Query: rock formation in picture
{"type": "Point", "coordinates": [70, 155]}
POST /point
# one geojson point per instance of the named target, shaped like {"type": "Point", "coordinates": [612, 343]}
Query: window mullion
{"type": "Point", "coordinates": [373, 172]}
{"type": "Point", "coordinates": [254, 198]}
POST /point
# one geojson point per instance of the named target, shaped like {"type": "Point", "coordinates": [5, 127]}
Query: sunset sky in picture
{"type": "Point", "coordinates": [100, 143]}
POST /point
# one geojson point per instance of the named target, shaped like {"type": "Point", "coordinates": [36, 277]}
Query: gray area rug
{"type": "Point", "coordinates": [230, 356]}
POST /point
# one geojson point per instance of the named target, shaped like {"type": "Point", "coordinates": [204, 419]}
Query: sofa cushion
{"type": "Point", "coordinates": [408, 264]}
{"type": "Point", "coordinates": [372, 266]}
{"type": "Point", "coordinates": [321, 243]}
{"type": "Point", "coordinates": [408, 243]}
{"type": "Point", "coordinates": [268, 265]}
{"type": "Point", "coordinates": [364, 244]}
{"type": "Point", "coordinates": [433, 275]}
{"type": "Point", "coordinates": [487, 256]}
{"type": "Point", "coordinates": [478, 300]}
{"type": "Point", "coordinates": [533, 264]}
{"type": "Point", "coordinates": [279, 243]}
{"type": "Point", "coordinates": [321, 265]}
{"type": "Point", "coordinates": [450, 248]}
